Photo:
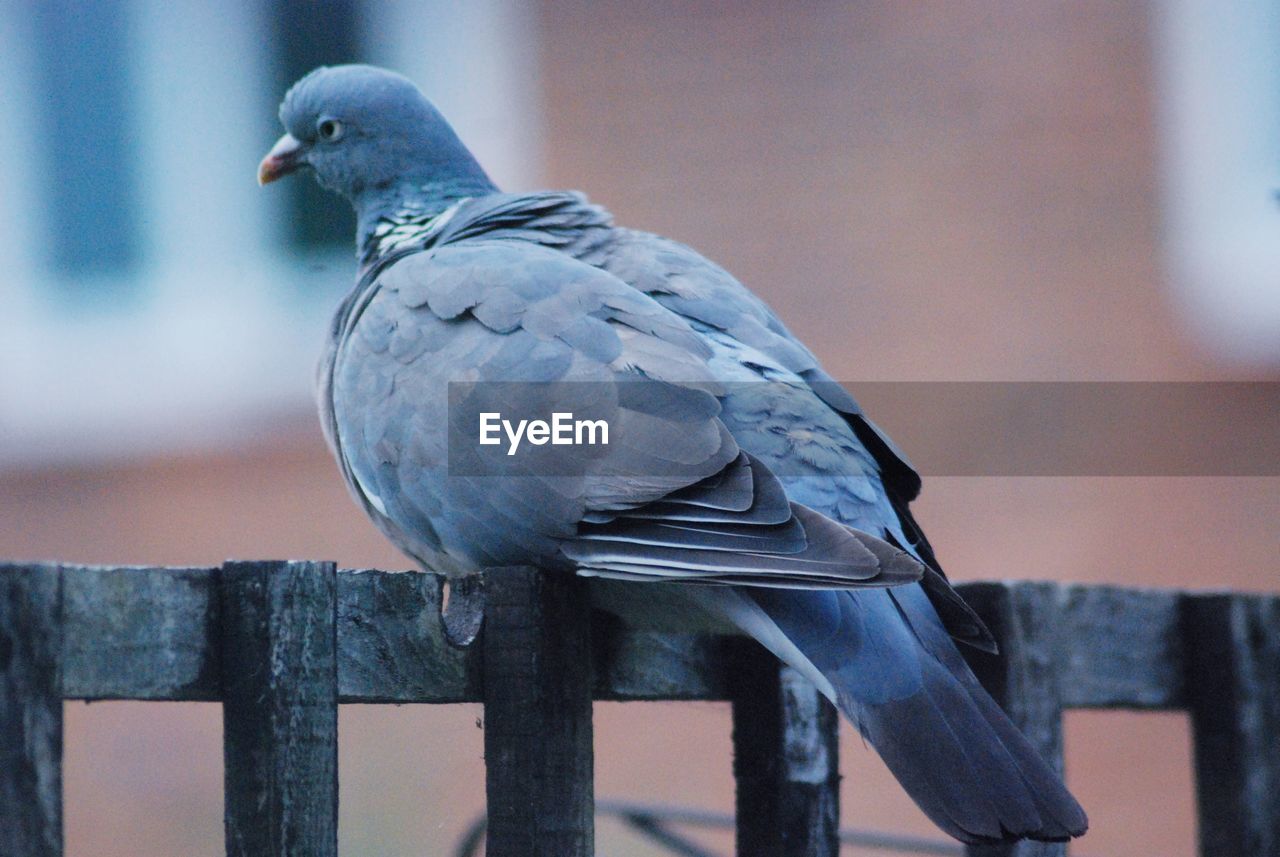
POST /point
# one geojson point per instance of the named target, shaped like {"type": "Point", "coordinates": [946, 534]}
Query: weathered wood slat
{"type": "Point", "coordinates": [635, 665]}
{"type": "Point", "coordinates": [151, 633]}
{"type": "Point", "coordinates": [785, 760]}
{"type": "Point", "coordinates": [140, 633]}
{"type": "Point", "coordinates": [280, 708]}
{"type": "Point", "coordinates": [392, 645]}
{"type": "Point", "coordinates": [1121, 648]}
{"type": "Point", "coordinates": [1233, 654]}
{"type": "Point", "coordinates": [1023, 678]}
{"type": "Point", "coordinates": [30, 712]}
{"type": "Point", "coordinates": [537, 703]}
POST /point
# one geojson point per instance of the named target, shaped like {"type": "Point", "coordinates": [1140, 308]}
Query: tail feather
{"type": "Point", "coordinates": [966, 765]}
{"type": "Point", "coordinates": [898, 676]}
{"type": "Point", "coordinates": [976, 717]}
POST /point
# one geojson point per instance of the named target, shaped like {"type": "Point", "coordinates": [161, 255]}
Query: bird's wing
{"type": "Point", "coordinates": [692, 286]}
{"type": "Point", "coordinates": [509, 327]}
{"type": "Point", "coordinates": [713, 300]}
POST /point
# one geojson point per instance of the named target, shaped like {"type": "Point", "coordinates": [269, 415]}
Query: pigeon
{"type": "Point", "coordinates": [742, 488]}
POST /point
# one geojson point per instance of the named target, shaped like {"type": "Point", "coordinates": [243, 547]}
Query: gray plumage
{"type": "Point", "coordinates": [745, 488]}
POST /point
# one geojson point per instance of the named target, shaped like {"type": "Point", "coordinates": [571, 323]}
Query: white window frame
{"type": "Point", "coordinates": [1218, 74]}
{"type": "Point", "coordinates": [223, 340]}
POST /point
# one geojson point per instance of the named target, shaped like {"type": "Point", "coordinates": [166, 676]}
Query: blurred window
{"type": "Point", "coordinates": [155, 298]}
{"type": "Point", "coordinates": [311, 33]}
{"type": "Point", "coordinates": [1219, 76]}
{"type": "Point", "coordinates": [87, 132]}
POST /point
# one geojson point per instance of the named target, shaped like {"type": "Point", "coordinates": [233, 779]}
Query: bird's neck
{"type": "Point", "coordinates": [413, 202]}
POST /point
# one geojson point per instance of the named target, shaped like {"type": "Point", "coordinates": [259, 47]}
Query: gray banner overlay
{"type": "Point", "coordinates": [947, 428]}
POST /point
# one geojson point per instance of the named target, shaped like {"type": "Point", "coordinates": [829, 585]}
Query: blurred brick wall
{"type": "Point", "coordinates": [944, 191]}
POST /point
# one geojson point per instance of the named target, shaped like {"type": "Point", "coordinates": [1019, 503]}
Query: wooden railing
{"type": "Point", "coordinates": [282, 644]}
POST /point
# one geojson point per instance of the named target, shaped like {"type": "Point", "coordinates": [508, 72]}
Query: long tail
{"type": "Point", "coordinates": [883, 656]}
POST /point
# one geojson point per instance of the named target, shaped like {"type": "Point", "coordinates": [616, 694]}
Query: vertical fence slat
{"type": "Point", "coordinates": [280, 708]}
{"type": "Point", "coordinates": [1023, 679]}
{"type": "Point", "coordinates": [785, 760]}
{"type": "Point", "coordinates": [1233, 687]}
{"type": "Point", "coordinates": [537, 715]}
{"type": "Point", "coordinates": [30, 711]}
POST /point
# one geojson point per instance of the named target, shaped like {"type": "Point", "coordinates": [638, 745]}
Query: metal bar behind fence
{"type": "Point", "coordinates": [651, 821]}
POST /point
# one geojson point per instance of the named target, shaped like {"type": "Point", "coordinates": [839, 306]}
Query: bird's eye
{"type": "Point", "coordinates": [329, 130]}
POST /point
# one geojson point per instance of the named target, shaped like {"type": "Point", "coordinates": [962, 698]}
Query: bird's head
{"type": "Point", "coordinates": [366, 131]}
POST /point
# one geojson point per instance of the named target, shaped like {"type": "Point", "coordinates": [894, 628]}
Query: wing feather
{"type": "Point", "coordinates": [671, 497]}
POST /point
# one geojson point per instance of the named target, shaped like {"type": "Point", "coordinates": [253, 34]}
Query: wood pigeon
{"type": "Point", "coordinates": [741, 487]}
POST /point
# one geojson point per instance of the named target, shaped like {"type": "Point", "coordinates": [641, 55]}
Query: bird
{"type": "Point", "coordinates": [742, 486]}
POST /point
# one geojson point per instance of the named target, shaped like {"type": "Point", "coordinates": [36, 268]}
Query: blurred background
{"type": "Point", "coordinates": [963, 191]}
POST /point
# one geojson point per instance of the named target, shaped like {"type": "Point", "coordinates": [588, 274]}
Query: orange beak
{"type": "Point", "coordinates": [285, 157]}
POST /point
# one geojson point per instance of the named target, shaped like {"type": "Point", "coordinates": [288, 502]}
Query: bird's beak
{"type": "Point", "coordinates": [285, 157]}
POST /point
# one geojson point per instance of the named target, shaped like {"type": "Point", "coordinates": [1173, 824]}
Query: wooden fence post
{"type": "Point", "coordinates": [537, 714]}
{"type": "Point", "coordinates": [1022, 678]}
{"type": "Point", "coordinates": [280, 708]}
{"type": "Point", "coordinates": [785, 759]}
{"type": "Point", "coordinates": [1232, 650]}
{"type": "Point", "coordinates": [30, 711]}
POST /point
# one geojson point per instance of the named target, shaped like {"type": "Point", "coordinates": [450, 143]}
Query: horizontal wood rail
{"type": "Point", "coordinates": [281, 644]}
